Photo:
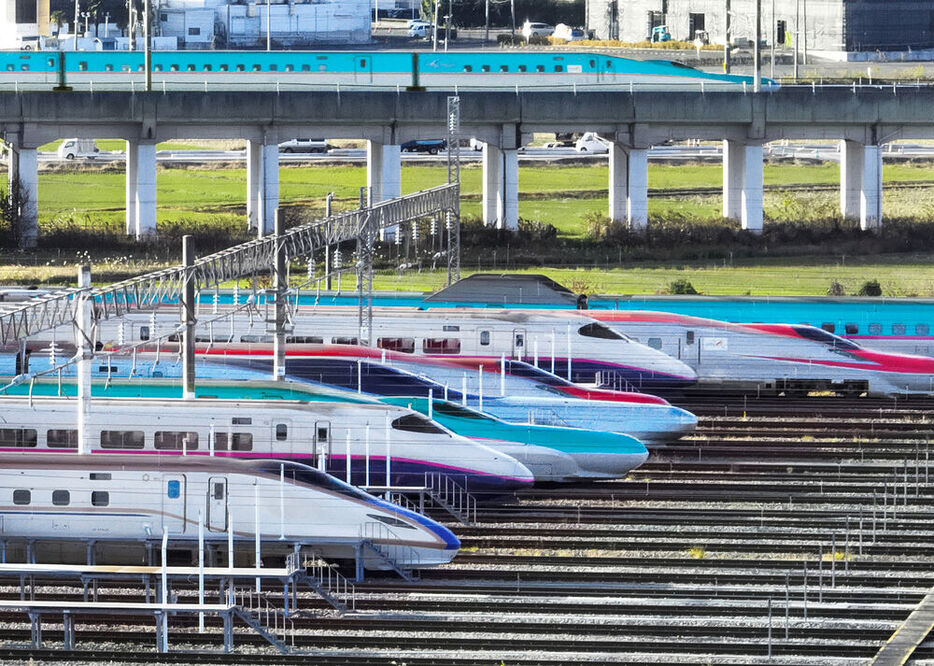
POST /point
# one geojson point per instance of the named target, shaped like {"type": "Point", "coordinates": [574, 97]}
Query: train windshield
{"type": "Point", "coordinates": [417, 423]}
{"type": "Point", "coordinates": [597, 330]}
{"type": "Point", "coordinates": [829, 339]}
{"type": "Point", "coordinates": [311, 477]}
{"type": "Point", "coordinates": [450, 409]}
{"type": "Point", "coordinates": [528, 371]}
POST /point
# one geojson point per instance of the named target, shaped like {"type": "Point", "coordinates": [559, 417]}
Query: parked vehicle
{"type": "Point", "coordinates": [592, 143]}
{"type": "Point", "coordinates": [421, 30]}
{"type": "Point", "coordinates": [530, 29]}
{"type": "Point", "coordinates": [74, 148]}
{"type": "Point", "coordinates": [430, 146]}
{"type": "Point", "coordinates": [305, 146]}
{"type": "Point", "coordinates": [568, 34]}
{"type": "Point", "coordinates": [660, 33]}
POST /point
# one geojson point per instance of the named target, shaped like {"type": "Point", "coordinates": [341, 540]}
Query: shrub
{"type": "Point", "coordinates": [681, 286]}
{"type": "Point", "coordinates": [870, 288]}
{"type": "Point", "coordinates": [836, 289]}
{"type": "Point", "coordinates": [535, 232]}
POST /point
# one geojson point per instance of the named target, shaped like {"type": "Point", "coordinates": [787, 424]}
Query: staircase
{"type": "Point", "coordinates": [452, 497]}
{"type": "Point", "coordinates": [264, 618]}
{"type": "Point", "coordinates": [329, 584]}
{"type": "Point", "coordinates": [392, 557]}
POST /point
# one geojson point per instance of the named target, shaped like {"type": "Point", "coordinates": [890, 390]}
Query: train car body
{"type": "Point", "coordinates": [119, 500]}
{"type": "Point", "coordinates": [308, 69]}
{"type": "Point", "coordinates": [576, 347]}
{"type": "Point", "coordinates": [582, 454]}
{"type": "Point", "coordinates": [651, 422]}
{"type": "Point", "coordinates": [363, 442]}
{"type": "Point", "coordinates": [783, 357]}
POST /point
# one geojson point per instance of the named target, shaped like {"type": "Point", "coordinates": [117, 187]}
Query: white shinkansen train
{"type": "Point", "coordinates": [779, 357]}
{"type": "Point", "coordinates": [551, 339]}
{"type": "Point", "coordinates": [119, 503]}
{"type": "Point", "coordinates": [373, 442]}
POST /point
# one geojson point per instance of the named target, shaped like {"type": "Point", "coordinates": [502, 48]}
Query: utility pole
{"type": "Point", "coordinates": [773, 34]}
{"type": "Point", "coordinates": [486, 31]}
{"type": "Point", "coordinates": [76, 25]}
{"type": "Point", "coordinates": [434, 28]}
{"type": "Point", "coordinates": [268, 29]}
{"type": "Point", "coordinates": [726, 39]}
{"type": "Point", "coordinates": [130, 24]}
{"type": "Point", "coordinates": [512, 11]}
{"type": "Point", "coordinates": [757, 50]}
{"type": "Point", "coordinates": [147, 47]}
{"type": "Point", "coordinates": [797, 35]}
{"type": "Point", "coordinates": [804, 44]}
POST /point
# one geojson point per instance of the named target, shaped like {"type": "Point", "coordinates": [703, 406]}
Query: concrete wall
{"type": "Point", "coordinates": [830, 25]}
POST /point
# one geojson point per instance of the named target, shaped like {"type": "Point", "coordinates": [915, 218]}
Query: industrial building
{"type": "Point", "coordinates": [831, 27]}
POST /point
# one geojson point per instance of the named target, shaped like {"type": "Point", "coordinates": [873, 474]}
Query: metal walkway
{"type": "Point", "coordinates": [916, 627]}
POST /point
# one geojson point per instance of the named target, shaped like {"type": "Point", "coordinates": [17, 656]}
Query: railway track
{"type": "Point", "coordinates": [680, 563]}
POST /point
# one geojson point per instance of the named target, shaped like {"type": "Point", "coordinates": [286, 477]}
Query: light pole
{"type": "Point", "coordinates": [86, 16]}
{"type": "Point", "coordinates": [486, 31]}
{"type": "Point", "coordinates": [106, 23]}
{"type": "Point", "coordinates": [757, 54]}
{"type": "Point", "coordinates": [147, 47]}
{"type": "Point", "coordinates": [726, 40]}
{"type": "Point", "coordinates": [268, 29]}
{"type": "Point", "coordinates": [76, 25]}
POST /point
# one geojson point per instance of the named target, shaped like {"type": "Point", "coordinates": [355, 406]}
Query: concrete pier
{"type": "Point", "coordinates": [270, 189]}
{"type": "Point", "coordinates": [629, 185]}
{"type": "Point", "coordinates": [145, 189]}
{"type": "Point", "coordinates": [742, 183]}
{"type": "Point", "coordinates": [24, 173]}
{"type": "Point", "coordinates": [262, 190]}
{"type": "Point", "coordinates": [861, 183]}
{"type": "Point", "coordinates": [384, 176]}
{"type": "Point", "coordinates": [500, 187]}
{"type": "Point", "coordinates": [131, 176]}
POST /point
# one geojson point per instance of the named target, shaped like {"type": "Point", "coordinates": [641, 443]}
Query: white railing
{"type": "Point", "coordinates": [329, 579]}
{"type": "Point", "coordinates": [451, 496]}
{"type": "Point", "coordinates": [403, 558]}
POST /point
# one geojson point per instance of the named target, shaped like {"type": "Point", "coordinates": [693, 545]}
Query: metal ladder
{"type": "Point", "coordinates": [329, 584]}
{"type": "Point", "coordinates": [452, 497]}
{"type": "Point", "coordinates": [269, 621]}
{"type": "Point", "coordinates": [372, 532]}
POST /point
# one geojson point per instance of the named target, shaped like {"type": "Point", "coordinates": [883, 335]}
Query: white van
{"type": "Point", "coordinates": [592, 143]}
{"type": "Point", "coordinates": [75, 148]}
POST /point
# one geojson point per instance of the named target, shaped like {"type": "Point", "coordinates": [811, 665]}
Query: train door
{"type": "Point", "coordinates": [174, 504]}
{"type": "Point", "coordinates": [363, 69]}
{"type": "Point", "coordinates": [691, 346]}
{"type": "Point", "coordinates": [216, 520]}
{"type": "Point", "coordinates": [518, 343]}
{"type": "Point", "coordinates": [322, 444]}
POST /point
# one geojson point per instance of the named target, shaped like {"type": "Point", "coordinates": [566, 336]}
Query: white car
{"type": "Point", "coordinates": [530, 29]}
{"type": "Point", "coordinates": [305, 146]}
{"type": "Point", "coordinates": [421, 30]}
{"type": "Point", "coordinates": [568, 34]}
{"type": "Point", "coordinates": [592, 143]}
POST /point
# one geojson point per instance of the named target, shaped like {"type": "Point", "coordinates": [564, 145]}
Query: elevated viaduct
{"type": "Point", "coordinates": [863, 118]}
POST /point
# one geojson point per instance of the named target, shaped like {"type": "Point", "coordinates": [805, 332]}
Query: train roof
{"type": "Point", "coordinates": [505, 288]}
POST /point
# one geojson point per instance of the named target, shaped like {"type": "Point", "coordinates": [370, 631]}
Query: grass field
{"type": "Point", "coordinates": [94, 198]}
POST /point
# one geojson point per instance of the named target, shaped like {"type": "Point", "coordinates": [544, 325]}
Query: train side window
{"type": "Point", "coordinates": [101, 476]}
{"type": "Point", "coordinates": [219, 491]}
{"type": "Point", "coordinates": [61, 497]}
{"type": "Point", "coordinates": [22, 497]}
{"type": "Point", "coordinates": [100, 498]}
{"type": "Point", "coordinates": [20, 438]}
{"type": "Point", "coordinates": [51, 62]}
{"type": "Point", "coordinates": [290, 68]}
{"type": "Point", "coordinates": [223, 68]}
{"type": "Point", "coordinates": [167, 440]}
{"type": "Point", "coordinates": [484, 338]}
{"type": "Point", "coordinates": [108, 68]}
{"type": "Point", "coordinates": [523, 68]}
{"type": "Point", "coordinates": [173, 68]}
{"type": "Point", "coordinates": [343, 340]}
{"type": "Point", "coordinates": [257, 68]}
{"type": "Point", "coordinates": [157, 68]}
{"type": "Point", "coordinates": [122, 439]}
{"type": "Point", "coordinates": [441, 346]}
{"type": "Point", "coordinates": [282, 432]}
{"type": "Point", "coordinates": [10, 68]}
{"type": "Point", "coordinates": [143, 332]}
{"type": "Point", "coordinates": [363, 62]}
{"type": "Point", "coordinates": [173, 489]}
{"type": "Point", "coordinates": [61, 439]}
{"type": "Point", "coordinates": [828, 326]}
{"type": "Point", "coordinates": [242, 441]}
{"type": "Point", "coordinates": [306, 68]}
{"type": "Point", "coordinates": [404, 345]}
{"type": "Point", "coordinates": [322, 433]}
{"type": "Point", "coordinates": [124, 68]}
{"type": "Point", "coordinates": [689, 337]}
{"type": "Point", "coordinates": [504, 68]}
{"type": "Point", "coordinates": [559, 68]}
{"type": "Point", "coordinates": [191, 68]}
{"type": "Point", "coordinates": [208, 68]}
{"type": "Point", "coordinates": [82, 66]}
{"type": "Point", "coordinates": [898, 329]}
{"type": "Point", "coordinates": [274, 68]}
{"type": "Point", "coordinates": [468, 68]}
{"type": "Point", "coordinates": [922, 329]}
{"type": "Point", "coordinates": [24, 67]}
{"type": "Point", "coordinates": [484, 68]}
{"type": "Point", "coordinates": [240, 68]}
{"type": "Point", "coordinates": [539, 68]}
{"type": "Point", "coordinates": [303, 340]}
{"type": "Point", "coordinates": [593, 63]}
{"type": "Point", "coordinates": [450, 328]}
{"type": "Point", "coordinates": [655, 343]}
{"type": "Point", "coordinates": [851, 328]}
{"type": "Point", "coordinates": [242, 420]}
{"type": "Point", "coordinates": [322, 68]}
{"type": "Point", "coordinates": [875, 329]}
